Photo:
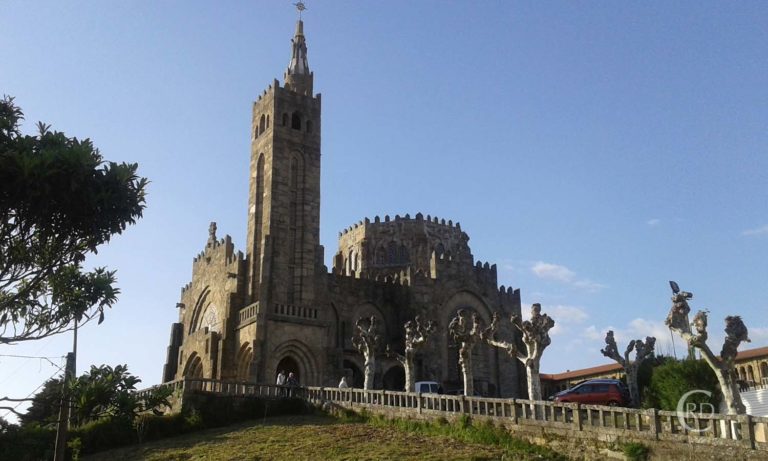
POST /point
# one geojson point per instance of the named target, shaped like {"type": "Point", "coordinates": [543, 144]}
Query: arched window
{"type": "Point", "coordinates": [404, 257]}
{"type": "Point", "coordinates": [392, 253]}
{"type": "Point", "coordinates": [296, 121]}
{"type": "Point", "coordinates": [309, 126]}
{"type": "Point", "coordinates": [764, 371]}
{"type": "Point", "coordinates": [262, 124]}
{"type": "Point", "coordinates": [750, 374]}
{"type": "Point", "coordinates": [381, 255]}
{"type": "Point", "coordinates": [439, 251]}
{"type": "Point", "coordinates": [285, 119]}
{"type": "Point", "coordinates": [267, 120]}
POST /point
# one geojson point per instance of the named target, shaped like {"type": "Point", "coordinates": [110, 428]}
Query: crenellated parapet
{"type": "Point", "coordinates": [219, 255]}
{"type": "Point", "coordinates": [388, 245]}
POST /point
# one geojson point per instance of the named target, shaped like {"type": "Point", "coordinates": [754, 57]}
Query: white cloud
{"type": "Point", "coordinates": [653, 222]}
{"type": "Point", "coordinates": [591, 332]}
{"type": "Point", "coordinates": [568, 314]}
{"type": "Point", "coordinates": [757, 231]}
{"type": "Point", "coordinates": [565, 317]}
{"type": "Point", "coordinates": [557, 330]}
{"type": "Point", "coordinates": [638, 328]}
{"type": "Point", "coordinates": [560, 273]}
{"type": "Point", "coordinates": [758, 334]}
{"type": "Point", "coordinates": [588, 285]}
{"type": "Point", "coordinates": [554, 272]}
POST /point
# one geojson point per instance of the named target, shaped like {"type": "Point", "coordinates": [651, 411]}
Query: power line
{"type": "Point", "coordinates": [41, 358]}
{"type": "Point", "coordinates": [33, 356]}
{"type": "Point", "coordinates": [13, 410]}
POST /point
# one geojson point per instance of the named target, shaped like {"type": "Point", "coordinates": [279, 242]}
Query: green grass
{"type": "Point", "coordinates": [319, 437]}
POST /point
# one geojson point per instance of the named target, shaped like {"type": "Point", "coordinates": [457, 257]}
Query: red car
{"type": "Point", "coordinates": [596, 392]}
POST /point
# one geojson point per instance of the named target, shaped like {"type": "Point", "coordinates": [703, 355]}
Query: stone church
{"type": "Point", "coordinates": [245, 316]}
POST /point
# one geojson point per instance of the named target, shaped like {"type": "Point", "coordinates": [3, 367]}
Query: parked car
{"type": "Point", "coordinates": [596, 392]}
{"type": "Point", "coordinates": [427, 387]}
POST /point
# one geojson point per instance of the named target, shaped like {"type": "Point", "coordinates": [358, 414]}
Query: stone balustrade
{"type": "Point", "coordinates": [743, 431]}
{"type": "Point", "coordinates": [291, 310]}
{"type": "Point", "coordinates": [248, 313]}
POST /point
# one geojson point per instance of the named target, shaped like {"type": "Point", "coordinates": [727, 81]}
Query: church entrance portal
{"type": "Point", "coordinates": [288, 365]}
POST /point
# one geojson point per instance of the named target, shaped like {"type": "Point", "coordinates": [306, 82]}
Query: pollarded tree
{"type": "Point", "coordinates": [735, 331]}
{"type": "Point", "coordinates": [416, 335]}
{"type": "Point", "coordinates": [59, 200]}
{"type": "Point", "coordinates": [466, 336]}
{"type": "Point", "coordinates": [631, 367]}
{"type": "Point", "coordinates": [366, 340]}
{"type": "Point", "coordinates": [535, 335]}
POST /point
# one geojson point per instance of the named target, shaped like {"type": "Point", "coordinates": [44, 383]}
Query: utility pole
{"type": "Point", "coordinates": [62, 426]}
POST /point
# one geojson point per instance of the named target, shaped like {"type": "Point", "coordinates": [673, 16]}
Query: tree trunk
{"type": "Point", "coordinates": [534, 383]}
{"type": "Point", "coordinates": [370, 370]}
{"type": "Point", "coordinates": [465, 360]}
{"type": "Point", "coordinates": [410, 371]}
{"type": "Point", "coordinates": [634, 390]}
{"type": "Point", "coordinates": [728, 386]}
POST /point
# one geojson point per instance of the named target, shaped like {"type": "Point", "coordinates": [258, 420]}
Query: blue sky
{"type": "Point", "coordinates": [593, 150]}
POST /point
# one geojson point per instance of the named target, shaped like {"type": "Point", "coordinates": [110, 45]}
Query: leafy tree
{"type": "Point", "coordinates": [672, 379]}
{"type": "Point", "coordinates": [106, 392]}
{"type": "Point", "coordinates": [102, 392]}
{"type": "Point", "coordinates": [59, 200]}
{"type": "Point", "coordinates": [6, 427]}
{"type": "Point", "coordinates": [44, 409]}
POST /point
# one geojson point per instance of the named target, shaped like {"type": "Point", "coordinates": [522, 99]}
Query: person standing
{"type": "Point", "coordinates": [291, 382]}
{"type": "Point", "coordinates": [343, 384]}
{"type": "Point", "coordinates": [281, 382]}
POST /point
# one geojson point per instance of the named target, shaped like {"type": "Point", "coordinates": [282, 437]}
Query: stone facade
{"type": "Point", "coordinates": [246, 316]}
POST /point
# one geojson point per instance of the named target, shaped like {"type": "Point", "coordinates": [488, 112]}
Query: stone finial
{"type": "Point", "coordinates": [212, 234]}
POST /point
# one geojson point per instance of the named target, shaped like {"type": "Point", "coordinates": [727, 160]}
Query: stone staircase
{"type": "Point", "coordinates": [756, 401]}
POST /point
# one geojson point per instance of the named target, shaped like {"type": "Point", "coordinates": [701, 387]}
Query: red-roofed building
{"type": "Point", "coordinates": [751, 367]}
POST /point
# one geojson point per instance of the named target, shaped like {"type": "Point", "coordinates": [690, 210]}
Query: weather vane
{"type": "Point", "coordinates": [300, 7]}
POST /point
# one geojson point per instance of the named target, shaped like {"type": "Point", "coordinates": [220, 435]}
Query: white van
{"type": "Point", "coordinates": [427, 387]}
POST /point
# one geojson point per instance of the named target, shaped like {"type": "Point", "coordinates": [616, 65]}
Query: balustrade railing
{"type": "Point", "coordinates": [742, 430]}
{"type": "Point", "coordinates": [248, 313]}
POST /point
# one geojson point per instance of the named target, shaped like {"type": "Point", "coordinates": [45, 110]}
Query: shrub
{"type": "Point", "coordinates": [29, 443]}
{"type": "Point", "coordinates": [635, 451]}
{"type": "Point", "coordinates": [674, 378]}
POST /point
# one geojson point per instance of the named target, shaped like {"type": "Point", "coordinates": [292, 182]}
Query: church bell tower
{"type": "Point", "coordinates": [283, 241]}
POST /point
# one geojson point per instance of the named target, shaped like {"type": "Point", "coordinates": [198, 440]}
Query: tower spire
{"type": "Point", "coordinates": [298, 77]}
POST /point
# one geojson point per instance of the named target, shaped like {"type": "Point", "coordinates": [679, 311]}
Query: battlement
{"type": "Point", "coordinates": [397, 219]}
{"type": "Point", "coordinates": [219, 252]}
{"type": "Point", "coordinates": [485, 270]}
{"type": "Point", "coordinates": [391, 244]}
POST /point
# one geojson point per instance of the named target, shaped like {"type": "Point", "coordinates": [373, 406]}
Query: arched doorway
{"type": "Point", "coordinates": [394, 379]}
{"type": "Point", "coordinates": [194, 369]}
{"type": "Point", "coordinates": [244, 359]}
{"type": "Point", "coordinates": [355, 377]}
{"type": "Point", "coordinates": [288, 365]}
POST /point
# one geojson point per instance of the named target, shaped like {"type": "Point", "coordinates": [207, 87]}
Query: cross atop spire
{"type": "Point", "coordinates": [300, 7]}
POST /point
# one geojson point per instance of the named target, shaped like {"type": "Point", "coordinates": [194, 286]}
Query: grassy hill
{"type": "Point", "coordinates": [324, 438]}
